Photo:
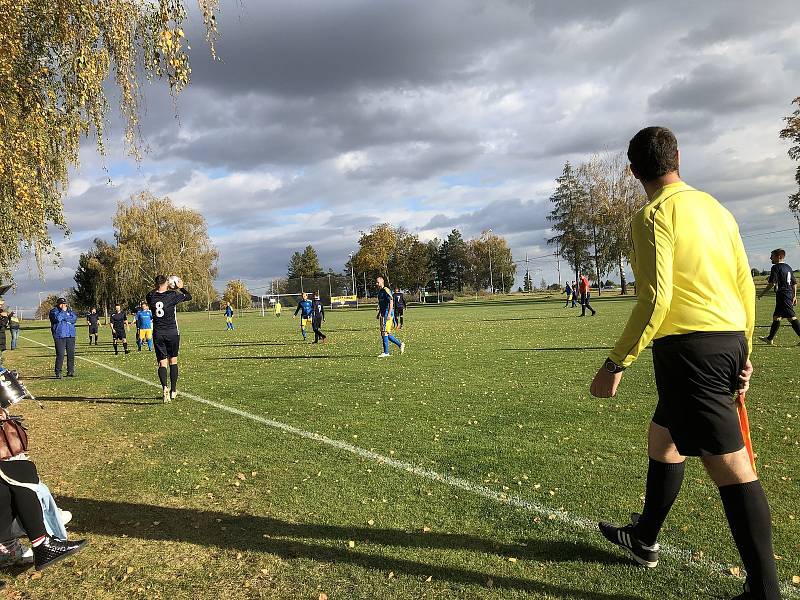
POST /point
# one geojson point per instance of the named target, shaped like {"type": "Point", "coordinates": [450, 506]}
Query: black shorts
{"type": "Point", "coordinates": [783, 307]}
{"type": "Point", "coordinates": [398, 312]}
{"type": "Point", "coordinates": [93, 329]}
{"type": "Point", "coordinates": [118, 334]}
{"type": "Point", "coordinates": [167, 345]}
{"type": "Point", "coordinates": [697, 376]}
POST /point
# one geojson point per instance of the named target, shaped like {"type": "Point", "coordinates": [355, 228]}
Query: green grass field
{"type": "Point", "coordinates": [187, 500]}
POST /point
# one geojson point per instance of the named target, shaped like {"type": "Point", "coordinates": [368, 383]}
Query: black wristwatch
{"type": "Point", "coordinates": [613, 367]}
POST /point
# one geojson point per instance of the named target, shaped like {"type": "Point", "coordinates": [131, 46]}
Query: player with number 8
{"type": "Point", "coordinates": [166, 335]}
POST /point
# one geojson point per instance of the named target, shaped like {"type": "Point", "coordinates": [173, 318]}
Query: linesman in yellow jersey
{"type": "Point", "coordinates": [696, 302]}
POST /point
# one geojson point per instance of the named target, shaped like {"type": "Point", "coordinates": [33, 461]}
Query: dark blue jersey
{"type": "Point", "coordinates": [384, 301]}
{"type": "Point", "coordinates": [228, 311]}
{"type": "Point", "coordinates": [399, 301]}
{"type": "Point", "coordinates": [163, 306]}
{"type": "Point", "coordinates": [782, 277]}
{"type": "Point", "coordinates": [118, 320]}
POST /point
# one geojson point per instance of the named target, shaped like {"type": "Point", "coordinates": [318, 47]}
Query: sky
{"type": "Point", "coordinates": [323, 118]}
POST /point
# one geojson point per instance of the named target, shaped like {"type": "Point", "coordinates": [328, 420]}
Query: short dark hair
{"type": "Point", "coordinates": [653, 153]}
{"type": "Point", "coordinates": [779, 252]}
{"type": "Point", "coordinates": [161, 280]}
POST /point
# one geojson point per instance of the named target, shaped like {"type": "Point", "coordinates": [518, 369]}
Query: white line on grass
{"type": "Point", "coordinates": [555, 514]}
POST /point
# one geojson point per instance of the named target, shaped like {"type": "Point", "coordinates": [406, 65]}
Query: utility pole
{"type": "Point", "coordinates": [558, 263]}
{"type": "Point", "coordinates": [489, 250]}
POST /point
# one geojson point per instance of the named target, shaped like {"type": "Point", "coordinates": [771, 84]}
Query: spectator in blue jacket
{"type": "Point", "coordinates": [62, 323]}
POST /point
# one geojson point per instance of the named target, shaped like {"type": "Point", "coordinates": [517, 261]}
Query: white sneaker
{"type": "Point", "coordinates": [14, 554]}
{"type": "Point", "coordinates": [165, 394]}
{"type": "Point", "coordinates": [173, 395]}
{"type": "Point", "coordinates": [402, 347]}
{"type": "Point", "coordinates": [66, 516]}
{"type": "Point", "coordinates": [384, 355]}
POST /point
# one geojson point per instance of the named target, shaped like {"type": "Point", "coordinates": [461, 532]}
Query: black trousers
{"type": "Point", "coordinates": [65, 345]}
{"type": "Point", "coordinates": [19, 502]}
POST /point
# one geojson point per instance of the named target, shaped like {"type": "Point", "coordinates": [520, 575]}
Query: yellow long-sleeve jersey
{"type": "Point", "coordinates": [691, 271]}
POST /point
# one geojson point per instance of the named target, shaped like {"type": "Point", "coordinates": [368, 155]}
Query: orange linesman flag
{"type": "Point", "coordinates": [744, 425]}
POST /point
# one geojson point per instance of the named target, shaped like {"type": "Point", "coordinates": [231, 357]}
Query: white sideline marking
{"type": "Point", "coordinates": [556, 514]}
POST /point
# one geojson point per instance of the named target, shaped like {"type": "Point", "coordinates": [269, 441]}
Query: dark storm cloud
{"type": "Point", "coordinates": [714, 88]}
{"type": "Point", "coordinates": [502, 217]}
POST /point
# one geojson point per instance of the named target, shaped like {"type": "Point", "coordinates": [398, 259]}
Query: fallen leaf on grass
{"type": "Point", "coordinates": [323, 596]}
{"type": "Point", "coordinates": [796, 579]}
{"type": "Point", "coordinates": [371, 522]}
{"type": "Point", "coordinates": [391, 574]}
{"type": "Point", "coordinates": [351, 544]}
{"type": "Point", "coordinates": [265, 571]}
{"type": "Point", "coordinates": [512, 560]}
{"type": "Point", "coordinates": [735, 571]}
{"type": "Point", "coordinates": [426, 530]}
{"type": "Point", "coordinates": [241, 476]}
{"type": "Point", "coordinates": [429, 579]}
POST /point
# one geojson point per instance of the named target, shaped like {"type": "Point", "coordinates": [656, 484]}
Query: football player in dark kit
{"type": "Point", "coordinates": [317, 319]}
{"type": "Point", "coordinates": [399, 308]}
{"type": "Point", "coordinates": [93, 321]}
{"type": "Point", "coordinates": [119, 328]}
{"type": "Point", "coordinates": [166, 337]}
{"type": "Point", "coordinates": [782, 277]}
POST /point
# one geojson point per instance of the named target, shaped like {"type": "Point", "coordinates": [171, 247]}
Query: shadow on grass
{"type": "Point", "coordinates": [576, 349]}
{"type": "Point", "coordinates": [265, 534]}
{"type": "Point", "coordinates": [319, 357]}
{"type": "Point", "coordinates": [106, 400]}
{"type": "Point", "coordinates": [224, 344]}
{"type": "Point", "coordinates": [518, 319]}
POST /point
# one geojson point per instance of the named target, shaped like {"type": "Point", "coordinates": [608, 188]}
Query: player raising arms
{"type": "Point", "coordinates": [166, 337]}
{"type": "Point", "coordinates": [782, 277]}
{"type": "Point", "coordinates": [385, 317]}
{"type": "Point", "coordinates": [306, 310]}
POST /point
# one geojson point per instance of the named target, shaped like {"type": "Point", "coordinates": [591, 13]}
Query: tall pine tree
{"type": "Point", "coordinates": [571, 239]}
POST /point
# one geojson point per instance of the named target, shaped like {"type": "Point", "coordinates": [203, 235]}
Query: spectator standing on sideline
{"type": "Point", "coordinates": [13, 325]}
{"type": "Point", "coordinates": [3, 326]}
{"type": "Point", "coordinates": [585, 290]}
{"type": "Point", "coordinates": [574, 293]}
{"type": "Point", "coordinates": [62, 324]}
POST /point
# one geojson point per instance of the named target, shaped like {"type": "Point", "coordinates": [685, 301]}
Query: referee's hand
{"type": "Point", "coordinates": [745, 375]}
{"type": "Point", "coordinates": [605, 383]}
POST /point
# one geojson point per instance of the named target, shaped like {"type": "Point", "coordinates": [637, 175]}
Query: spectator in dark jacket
{"type": "Point", "coordinates": [62, 323]}
{"type": "Point", "coordinates": [13, 324]}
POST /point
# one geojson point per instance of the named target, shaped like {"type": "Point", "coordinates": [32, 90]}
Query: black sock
{"type": "Point", "coordinates": [125, 346]}
{"type": "Point", "coordinates": [795, 325]}
{"type": "Point", "coordinates": [663, 484]}
{"type": "Point", "coordinates": [116, 349]}
{"type": "Point", "coordinates": [773, 329]}
{"type": "Point", "coordinates": [173, 377]}
{"type": "Point", "coordinates": [749, 518]}
{"type": "Point", "coordinates": [162, 376]}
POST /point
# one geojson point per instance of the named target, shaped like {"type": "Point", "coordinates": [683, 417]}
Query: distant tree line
{"type": "Point", "coordinates": [453, 263]}
{"type": "Point", "coordinates": [592, 208]}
